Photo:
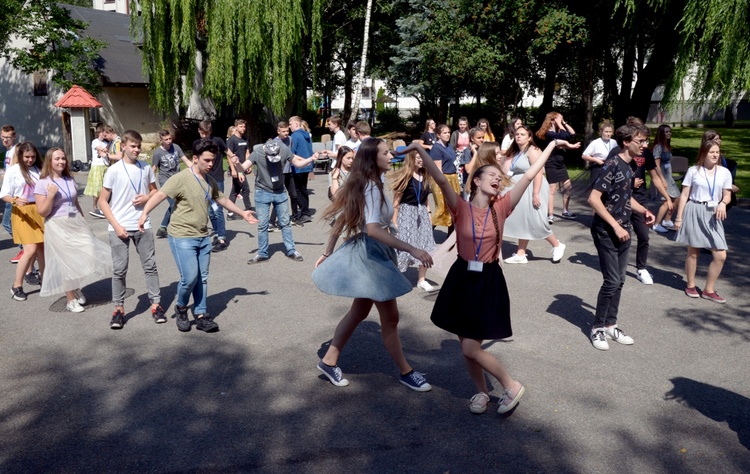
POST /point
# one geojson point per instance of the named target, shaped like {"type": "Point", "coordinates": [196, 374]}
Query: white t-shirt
{"type": "Point", "coordinates": [701, 184]}
{"type": "Point", "coordinates": [377, 209]}
{"type": "Point", "coordinates": [599, 148]}
{"type": "Point", "coordinates": [15, 186]}
{"type": "Point", "coordinates": [9, 157]}
{"type": "Point", "coordinates": [353, 144]}
{"type": "Point", "coordinates": [125, 181]}
{"type": "Point", "coordinates": [339, 140]}
{"type": "Point", "coordinates": [97, 160]}
{"type": "Point", "coordinates": [506, 143]}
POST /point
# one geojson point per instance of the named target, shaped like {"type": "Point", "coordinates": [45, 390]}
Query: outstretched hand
{"type": "Point", "coordinates": [567, 145]}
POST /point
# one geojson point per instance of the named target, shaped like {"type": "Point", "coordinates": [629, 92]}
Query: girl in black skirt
{"type": "Point", "coordinates": [473, 302]}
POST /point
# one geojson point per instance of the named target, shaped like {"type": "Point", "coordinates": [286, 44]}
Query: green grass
{"type": "Point", "coordinates": [735, 144]}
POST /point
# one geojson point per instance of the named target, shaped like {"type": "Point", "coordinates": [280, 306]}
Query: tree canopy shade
{"type": "Point", "coordinates": [715, 40]}
{"type": "Point", "coordinates": [253, 50]}
{"type": "Point", "coordinates": [55, 43]}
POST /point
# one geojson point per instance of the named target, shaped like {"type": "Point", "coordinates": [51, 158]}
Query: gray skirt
{"type": "Point", "coordinates": [700, 228]}
{"type": "Point", "coordinates": [362, 268]}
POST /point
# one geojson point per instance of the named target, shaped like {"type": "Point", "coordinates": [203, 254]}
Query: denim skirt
{"type": "Point", "coordinates": [362, 268]}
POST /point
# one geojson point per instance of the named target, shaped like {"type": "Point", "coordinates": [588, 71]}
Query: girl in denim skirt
{"type": "Point", "coordinates": [364, 267]}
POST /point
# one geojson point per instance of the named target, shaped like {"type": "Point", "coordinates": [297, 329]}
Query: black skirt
{"type": "Point", "coordinates": [472, 304]}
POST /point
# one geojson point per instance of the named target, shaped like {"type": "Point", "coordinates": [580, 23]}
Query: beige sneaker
{"type": "Point", "coordinates": [478, 403]}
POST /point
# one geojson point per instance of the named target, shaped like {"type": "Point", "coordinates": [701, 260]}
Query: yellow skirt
{"type": "Point", "coordinates": [441, 215]}
{"type": "Point", "coordinates": [28, 225]}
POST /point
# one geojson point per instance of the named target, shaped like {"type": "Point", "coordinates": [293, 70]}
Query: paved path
{"type": "Point", "coordinates": [78, 397]}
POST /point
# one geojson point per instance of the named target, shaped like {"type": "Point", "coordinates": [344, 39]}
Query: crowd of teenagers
{"type": "Point", "coordinates": [482, 191]}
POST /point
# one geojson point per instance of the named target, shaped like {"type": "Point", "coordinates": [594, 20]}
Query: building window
{"type": "Point", "coordinates": [40, 82]}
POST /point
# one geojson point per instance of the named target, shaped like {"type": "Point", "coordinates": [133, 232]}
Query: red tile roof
{"type": "Point", "coordinates": [78, 98]}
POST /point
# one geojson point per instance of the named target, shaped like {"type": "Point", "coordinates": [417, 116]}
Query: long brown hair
{"type": "Point", "coordinates": [546, 125]}
{"type": "Point", "coordinates": [661, 137]}
{"type": "Point", "coordinates": [400, 179]}
{"type": "Point", "coordinates": [486, 155]}
{"type": "Point", "coordinates": [703, 153]}
{"type": "Point", "coordinates": [514, 148]}
{"type": "Point", "coordinates": [20, 150]}
{"type": "Point", "coordinates": [348, 208]}
{"type": "Point", "coordinates": [47, 167]}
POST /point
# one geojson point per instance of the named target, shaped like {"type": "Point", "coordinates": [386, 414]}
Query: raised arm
{"type": "Point", "coordinates": [520, 187]}
{"type": "Point", "coordinates": [451, 198]}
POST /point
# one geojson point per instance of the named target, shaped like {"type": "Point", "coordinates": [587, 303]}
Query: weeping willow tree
{"type": "Point", "coordinates": [252, 51]}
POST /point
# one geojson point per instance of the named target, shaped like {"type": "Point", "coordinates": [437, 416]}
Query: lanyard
{"type": "Point", "coordinates": [68, 194]}
{"type": "Point", "coordinates": [208, 198]}
{"type": "Point", "coordinates": [473, 232]}
{"type": "Point", "coordinates": [140, 179]}
{"type": "Point", "coordinates": [515, 160]}
{"type": "Point", "coordinates": [417, 189]}
{"type": "Point", "coordinates": [710, 187]}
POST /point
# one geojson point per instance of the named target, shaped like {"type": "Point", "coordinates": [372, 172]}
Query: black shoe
{"type": "Point", "coordinates": [273, 228]}
{"type": "Point", "coordinates": [33, 279]}
{"type": "Point", "coordinates": [161, 233]}
{"type": "Point", "coordinates": [304, 219]}
{"type": "Point", "coordinates": [118, 320]}
{"type": "Point", "coordinates": [18, 294]}
{"type": "Point", "coordinates": [233, 217]}
{"type": "Point", "coordinates": [158, 315]}
{"type": "Point", "coordinates": [206, 324]}
{"type": "Point", "coordinates": [183, 323]}
{"type": "Point", "coordinates": [219, 246]}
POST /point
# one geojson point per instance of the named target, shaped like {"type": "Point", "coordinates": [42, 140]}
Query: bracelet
{"type": "Point", "coordinates": [722, 202]}
{"type": "Point", "coordinates": [326, 255]}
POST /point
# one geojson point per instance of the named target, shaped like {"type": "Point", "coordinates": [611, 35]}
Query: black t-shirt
{"type": "Point", "coordinates": [428, 138]}
{"type": "Point", "coordinates": [640, 165]}
{"type": "Point", "coordinates": [615, 183]}
{"type": "Point", "coordinates": [238, 146]}
{"type": "Point", "coordinates": [217, 170]}
{"type": "Point", "coordinates": [415, 187]}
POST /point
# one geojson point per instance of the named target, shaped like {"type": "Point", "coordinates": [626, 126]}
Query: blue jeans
{"type": "Point", "coordinates": [6, 218]}
{"type": "Point", "coordinates": [217, 218]}
{"type": "Point", "coordinates": [280, 201]}
{"type": "Point", "coordinates": [192, 256]}
{"type": "Point", "coordinates": [168, 214]}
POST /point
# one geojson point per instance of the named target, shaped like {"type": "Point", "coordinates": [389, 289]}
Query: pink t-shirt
{"type": "Point", "coordinates": [462, 217]}
{"type": "Point", "coordinates": [462, 142]}
{"type": "Point", "coordinates": [65, 199]}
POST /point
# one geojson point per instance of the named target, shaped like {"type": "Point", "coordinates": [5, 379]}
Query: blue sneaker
{"type": "Point", "coordinates": [416, 381]}
{"type": "Point", "coordinates": [334, 374]}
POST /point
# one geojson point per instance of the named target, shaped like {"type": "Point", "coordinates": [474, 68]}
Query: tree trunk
{"type": "Point", "coordinates": [363, 61]}
{"type": "Point", "coordinates": [586, 61]}
{"type": "Point", "coordinates": [550, 76]}
{"type": "Point", "coordinates": [626, 84]}
{"type": "Point", "coordinates": [348, 86]}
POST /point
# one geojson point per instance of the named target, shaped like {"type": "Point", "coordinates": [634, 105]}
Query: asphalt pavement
{"type": "Point", "coordinates": [76, 396]}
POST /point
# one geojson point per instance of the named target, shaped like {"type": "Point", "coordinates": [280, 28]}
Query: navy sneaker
{"type": "Point", "coordinates": [33, 279]}
{"type": "Point", "coordinates": [158, 314]}
{"type": "Point", "coordinates": [118, 320]}
{"type": "Point", "coordinates": [334, 374]}
{"type": "Point", "coordinates": [416, 381]}
{"type": "Point", "coordinates": [206, 324]}
{"type": "Point", "coordinates": [181, 315]}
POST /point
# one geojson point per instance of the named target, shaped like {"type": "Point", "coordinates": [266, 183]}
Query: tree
{"type": "Point", "coordinates": [363, 61]}
{"type": "Point", "coordinates": [250, 52]}
{"type": "Point", "coordinates": [55, 42]}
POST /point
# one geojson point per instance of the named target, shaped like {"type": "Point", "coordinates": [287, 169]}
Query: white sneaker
{"type": "Point", "coordinates": [614, 333]}
{"type": "Point", "coordinates": [667, 224]}
{"type": "Point", "coordinates": [660, 229]}
{"type": "Point", "coordinates": [599, 339]}
{"type": "Point", "coordinates": [74, 306]}
{"type": "Point", "coordinates": [558, 252]}
{"type": "Point", "coordinates": [79, 297]}
{"type": "Point", "coordinates": [517, 259]}
{"type": "Point", "coordinates": [645, 277]}
{"type": "Point", "coordinates": [423, 285]}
